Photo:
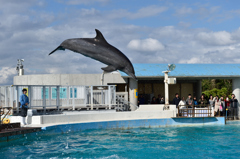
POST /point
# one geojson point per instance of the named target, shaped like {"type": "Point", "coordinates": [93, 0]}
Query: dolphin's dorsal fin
{"type": "Point", "coordinates": [99, 36]}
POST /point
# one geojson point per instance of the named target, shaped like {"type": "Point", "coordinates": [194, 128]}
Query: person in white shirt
{"type": "Point", "coordinates": [182, 103]}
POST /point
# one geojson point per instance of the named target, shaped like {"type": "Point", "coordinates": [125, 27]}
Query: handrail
{"type": "Point", "coordinates": [193, 112]}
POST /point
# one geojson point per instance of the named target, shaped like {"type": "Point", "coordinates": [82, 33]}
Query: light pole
{"type": "Point", "coordinates": [166, 87]}
{"type": "Point", "coordinates": [167, 81]}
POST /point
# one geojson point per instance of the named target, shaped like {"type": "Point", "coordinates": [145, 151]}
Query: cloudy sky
{"type": "Point", "coordinates": [152, 31]}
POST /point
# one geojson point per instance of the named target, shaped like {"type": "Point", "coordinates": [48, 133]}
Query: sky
{"type": "Point", "coordinates": [152, 31]}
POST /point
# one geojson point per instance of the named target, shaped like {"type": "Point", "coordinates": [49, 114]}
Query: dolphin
{"type": "Point", "coordinates": [99, 49]}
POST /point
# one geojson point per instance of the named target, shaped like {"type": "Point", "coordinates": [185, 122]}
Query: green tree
{"type": "Point", "coordinates": [220, 87]}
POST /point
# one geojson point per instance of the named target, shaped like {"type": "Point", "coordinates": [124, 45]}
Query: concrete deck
{"type": "Point", "coordinates": [150, 115]}
{"type": "Point", "coordinates": [71, 117]}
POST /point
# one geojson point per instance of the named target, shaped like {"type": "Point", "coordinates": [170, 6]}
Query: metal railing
{"type": "Point", "coordinates": [195, 111]}
{"type": "Point", "coordinates": [60, 97]}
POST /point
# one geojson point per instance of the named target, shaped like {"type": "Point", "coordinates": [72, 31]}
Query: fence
{"type": "Point", "coordinates": [60, 97]}
{"type": "Point", "coordinates": [195, 111]}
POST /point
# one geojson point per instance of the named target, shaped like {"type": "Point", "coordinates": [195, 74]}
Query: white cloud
{"type": "Point", "coordinates": [184, 24]}
{"type": "Point", "coordinates": [215, 38]}
{"type": "Point", "coordinates": [149, 44]}
{"type": "Point", "coordinates": [147, 12]}
{"type": "Point", "coordinates": [6, 75]}
{"type": "Point", "coordinates": [78, 2]}
{"type": "Point", "coordinates": [32, 34]}
{"type": "Point", "coordinates": [144, 12]}
{"type": "Point", "coordinates": [184, 11]}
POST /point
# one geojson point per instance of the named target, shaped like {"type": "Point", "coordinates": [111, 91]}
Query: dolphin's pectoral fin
{"type": "Point", "coordinates": [109, 68]}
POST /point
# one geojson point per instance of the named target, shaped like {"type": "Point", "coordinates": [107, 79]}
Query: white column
{"type": "Point", "coordinates": [133, 89]}
{"type": "Point", "coordinates": [166, 87]}
{"type": "Point", "coordinates": [236, 90]}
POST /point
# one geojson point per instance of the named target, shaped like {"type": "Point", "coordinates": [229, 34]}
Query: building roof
{"type": "Point", "coordinates": [187, 70]}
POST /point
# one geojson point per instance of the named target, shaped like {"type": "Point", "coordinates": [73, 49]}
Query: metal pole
{"type": "Point", "coordinates": [86, 95]}
{"type": "Point", "coordinates": [5, 96]}
{"type": "Point", "coordinates": [166, 87]}
{"type": "Point", "coordinates": [91, 97]}
{"type": "Point", "coordinates": [73, 89]}
{"type": "Point", "coordinates": [226, 112]}
{"type": "Point", "coordinates": [114, 95]}
{"type": "Point", "coordinates": [17, 99]}
{"type": "Point", "coordinates": [50, 95]}
{"type": "Point", "coordinates": [30, 96]}
{"type": "Point", "coordinates": [11, 98]}
{"type": "Point", "coordinates": [109, 97]}
{"type": "Point", "coordinates": [44, 99]}
{"type": "Point", "coordinates": [68, 96]}
{"type": "Point", "coordinates": [58, 97]}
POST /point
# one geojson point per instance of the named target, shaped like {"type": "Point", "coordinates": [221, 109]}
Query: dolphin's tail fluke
{"type": "Point", "coordinates": [58, 48]}
{"type": "Point", "coordinates": [133, 76]}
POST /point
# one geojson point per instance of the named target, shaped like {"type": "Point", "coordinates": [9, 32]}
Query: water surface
{"type": "Point", "coordinates": [172, 142]}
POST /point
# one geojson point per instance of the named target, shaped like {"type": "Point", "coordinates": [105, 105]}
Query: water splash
{"type": "Point", "coordinates": [67, 144]}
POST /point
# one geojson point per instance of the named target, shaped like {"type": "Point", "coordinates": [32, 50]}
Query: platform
{"type": "Point", "coordinates": [13, 129]}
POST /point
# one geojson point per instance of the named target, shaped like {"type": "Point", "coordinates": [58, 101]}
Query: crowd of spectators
{"type": "Point", "coordinates": [220, 105]}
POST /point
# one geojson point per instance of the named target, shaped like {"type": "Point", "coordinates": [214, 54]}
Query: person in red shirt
{"type": "Point", "coordinates": [227, 105]}
{"type": "Point", "coordinates": [227, 102]}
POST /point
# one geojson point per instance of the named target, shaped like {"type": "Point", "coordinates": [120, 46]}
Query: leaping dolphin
{"type": "Point", "coordinates": [99, 49]}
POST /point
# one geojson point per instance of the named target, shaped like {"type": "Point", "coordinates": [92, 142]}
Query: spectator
{"type": "Point", "coordinates": [176, 100]}
{"type": "Point", "coordinates": [141, 100]}
{"type": "Point", "coordinates": [195, 102]}
{"type": "Point", "coordinates": [162, 101]}
{"type": "Point", "coordinates": [211, 101]}
{"type": "Point", "coordinates": [227, 106]}
{"type": "Point", "coordinates": [154, 101]}
{"type": "Point", "coordinates": [202, 101]}
{"type": "Point", "coordinates": [217, 104]}
{"type": "Point", "coordinates": [182, 103]}
{"type": "Point", "coordinates": [159, 99]}
{"type": "Point", "coordinates": [189, 100]}
{"type": "Point", "coordinates": [222, 106]}
{"type": "Point", "coordinates": [227, 102]}
{"type": "Point", "coordinates": [234, 106]}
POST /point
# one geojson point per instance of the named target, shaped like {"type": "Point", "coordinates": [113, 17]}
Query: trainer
{"type": "Point", "coordinates": [24, 105]}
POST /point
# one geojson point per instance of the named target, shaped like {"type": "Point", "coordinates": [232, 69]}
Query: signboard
{"type": "Point", "coordinates": [100, 87]}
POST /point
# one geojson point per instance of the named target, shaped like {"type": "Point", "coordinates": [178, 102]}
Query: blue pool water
{"type": "Point", "coordinates": [172, 142]}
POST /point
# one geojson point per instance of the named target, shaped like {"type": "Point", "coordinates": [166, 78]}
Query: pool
{"type": "Point", "coordinates": [221, 141]}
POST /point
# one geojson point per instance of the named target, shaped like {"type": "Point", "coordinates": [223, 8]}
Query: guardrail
{"type": "Point", "coordinates": [60, 97]}
{"type": "Point", "coordinates": [195, 111]}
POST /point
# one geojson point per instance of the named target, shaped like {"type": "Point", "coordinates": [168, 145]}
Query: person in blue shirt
{"type": "Point", "coordinates": [24, 105]}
